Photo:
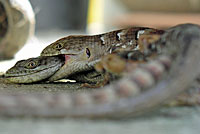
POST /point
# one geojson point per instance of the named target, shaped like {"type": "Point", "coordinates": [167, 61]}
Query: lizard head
{"type": "Point", "coordinates": [83, 46]}
{"type": "Point", "coordinates": [80, 53]}
{"type": "Point", "coordinates": [33, 69]}
{"type": "Point", "coordinates": [57, 47]}
{"type": "Point", "coordinates": [70, 45]}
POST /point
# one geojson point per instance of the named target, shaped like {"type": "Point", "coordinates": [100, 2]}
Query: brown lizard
{"type": "Point", "coordinates": [179, 47]}
{"type": "Point", "coordinates": [83, 52]}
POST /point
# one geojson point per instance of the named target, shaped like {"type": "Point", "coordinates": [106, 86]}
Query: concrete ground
{"type": "Point", "coordinates": [179, 120]}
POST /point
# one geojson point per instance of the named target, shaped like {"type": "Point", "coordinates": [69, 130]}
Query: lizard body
{"type": "Point", "coordinates": [83, 52]}
{"type": "Point", "coordinates": [179, 48]}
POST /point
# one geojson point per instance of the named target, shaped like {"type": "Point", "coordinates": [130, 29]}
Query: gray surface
{"type": "Point", "coordinates": [169, 121]}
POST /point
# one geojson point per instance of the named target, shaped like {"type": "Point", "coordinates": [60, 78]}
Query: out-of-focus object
{"type": "Point", "coordinates": [61, 15]}
{"type": "Point", "coordinates": [17, 23]}
{"type": "Point", "coordinates": [95, 17]}
{"type": "Point", "coordinates": [163, 5]}
{"type": "Point", "coordinates": [155, 19]}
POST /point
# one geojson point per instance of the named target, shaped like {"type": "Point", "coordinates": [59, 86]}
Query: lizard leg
{"type": "Point", "coordinates": [90, 77]}
{"type": "Point", "coordinates": [105, 80]}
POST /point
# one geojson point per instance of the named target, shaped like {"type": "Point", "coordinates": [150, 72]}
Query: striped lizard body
{"type": "Point", "coordinates": [83, 52]}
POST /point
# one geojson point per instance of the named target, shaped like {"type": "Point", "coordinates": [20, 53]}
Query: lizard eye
{"type": "Point", "coordinates": [58, 46]}
{"type": "Point", "coordinates": [88, 52]}
{"type": "Point", "coordinates": [31, 65]}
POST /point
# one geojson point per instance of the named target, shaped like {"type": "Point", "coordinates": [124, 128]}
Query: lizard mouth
{"type": "Point", "coordinates": [67, 57]}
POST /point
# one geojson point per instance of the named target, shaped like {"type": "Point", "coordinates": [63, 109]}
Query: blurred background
{"type": "Point", "coordinates": [106, 14]}
{"type": "Point", "coordinates": [59, 18]}
{"type": "Point", "coordinates": [55, 19]}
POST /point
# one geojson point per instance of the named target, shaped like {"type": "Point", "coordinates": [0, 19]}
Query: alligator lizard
{"type": "Point", "coordinates": [82, 52]}
{"type": "Point", "coordinates": [179, 48]}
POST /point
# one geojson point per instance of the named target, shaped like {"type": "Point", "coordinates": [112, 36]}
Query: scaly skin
{"type": "Point", "coordinates": [83, 52]}
{"type": "Point", "coordinates": [138, 92]}
{"type": "Point", "coordinates": [34, 69]}
{"type": "Point", "coordinates": [111, 67]}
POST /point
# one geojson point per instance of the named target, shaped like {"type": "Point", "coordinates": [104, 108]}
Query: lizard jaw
{"type": "Point", "coordinates": [70, 67]}
{"type": "Point", "coordinates": [65, 69]}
